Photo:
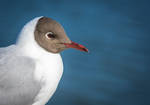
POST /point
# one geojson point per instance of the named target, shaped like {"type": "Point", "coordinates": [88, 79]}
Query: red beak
{"type": "Point", "coordinates": [76, 46]}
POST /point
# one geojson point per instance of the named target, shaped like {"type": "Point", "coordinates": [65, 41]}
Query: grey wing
{"type": "Point", "coordinates": [17, 85]}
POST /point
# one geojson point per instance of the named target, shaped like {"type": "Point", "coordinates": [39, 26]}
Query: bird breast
{"type": "Point", "coordinates": [48, 72]}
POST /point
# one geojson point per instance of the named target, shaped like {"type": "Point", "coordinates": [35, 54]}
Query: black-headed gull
{"type": "Point", "coordinates": [30, 70]}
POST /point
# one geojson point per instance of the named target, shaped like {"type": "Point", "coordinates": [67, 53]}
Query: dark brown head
{"type": "Point", "coordinates": [51, 36]}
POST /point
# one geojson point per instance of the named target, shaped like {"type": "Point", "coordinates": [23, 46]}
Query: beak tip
{"type": "Point", "coordinates": [86, 50]}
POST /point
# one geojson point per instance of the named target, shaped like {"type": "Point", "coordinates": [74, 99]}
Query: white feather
{"type": "Point", "coordinates": [49, 66]}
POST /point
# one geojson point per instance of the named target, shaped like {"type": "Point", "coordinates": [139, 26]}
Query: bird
{"type": "Point", "coordinates": [31, 68]}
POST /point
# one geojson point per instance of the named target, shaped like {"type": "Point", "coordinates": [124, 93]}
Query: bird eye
{"type": "Point", "coordinates": [50, 35]}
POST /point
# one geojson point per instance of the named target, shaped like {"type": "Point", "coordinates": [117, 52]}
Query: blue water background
{"type": "Point", "coordinates": [117, 33]}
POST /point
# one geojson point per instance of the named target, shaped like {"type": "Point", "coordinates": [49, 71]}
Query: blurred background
{"type": "Point", "coordinates": [117, 33]}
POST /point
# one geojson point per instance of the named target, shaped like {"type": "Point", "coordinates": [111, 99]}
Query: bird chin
{"type": "Point", "coordinates": [59, 48]}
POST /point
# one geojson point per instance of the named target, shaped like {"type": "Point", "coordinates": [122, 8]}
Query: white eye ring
{"type": "Point", "coordinates": [49, 35]}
